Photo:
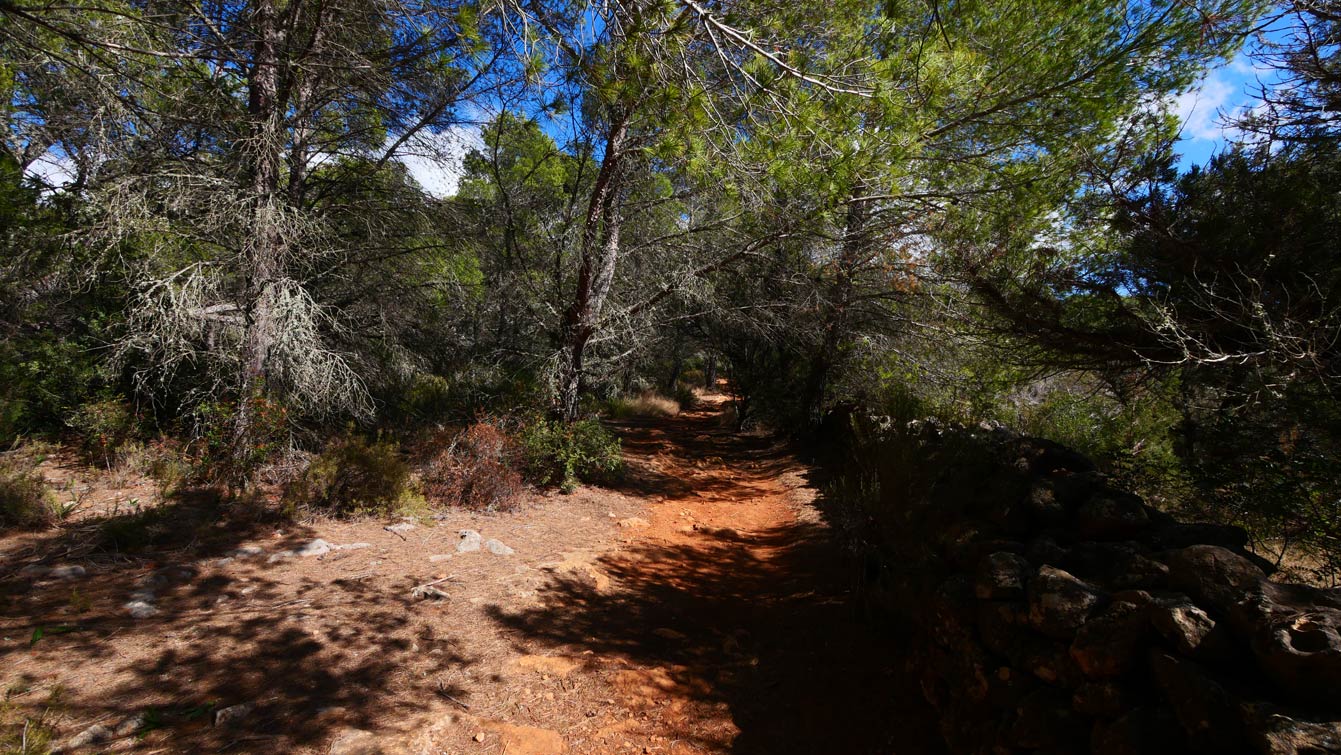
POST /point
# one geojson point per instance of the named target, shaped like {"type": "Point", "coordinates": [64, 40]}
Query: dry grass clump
{"type": "Point", "coordinates": [26, 500]}
{"type": "Point", "coordinates": [475, 471]}
{"type": "Point", "coordinates": [647, 404]}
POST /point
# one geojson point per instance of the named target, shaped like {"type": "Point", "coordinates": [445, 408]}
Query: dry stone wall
{"type": "Point", "coordinates": [1050, 612]}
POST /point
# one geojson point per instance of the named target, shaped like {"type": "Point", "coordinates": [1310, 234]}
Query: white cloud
{"type": "Point", "coordinates": [435, 160]}
{"type": "Point", "coordinates": [1201, 109]}
{"type": "Point", "coordinates": [52, 169]}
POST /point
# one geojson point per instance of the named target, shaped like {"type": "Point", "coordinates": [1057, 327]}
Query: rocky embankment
{"type": "Point", "coordinates": [1052, 612]}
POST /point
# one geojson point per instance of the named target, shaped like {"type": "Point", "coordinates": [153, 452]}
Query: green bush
{"type": "Point", "coordinates": [561, 454]}
{"type": "Point", "coordinates": [353, 476]}
{"type": "Point", "coordinates": [25, 498]}
{"type": "Point", "coordinates": [227, 458]}
{"type": "Point", "coordinates": [104, 427]}
{"type": "Point", "coordinates": [685, 395]}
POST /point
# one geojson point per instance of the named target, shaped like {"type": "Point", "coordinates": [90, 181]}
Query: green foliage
{"type": "Point", "coordinates": [227, 457]}
{"type": "Point", "coordinates": [104, 427]}
{"type": "Point", "coordinates": [559, 453]}
{"type": "Point", "coordinates": [26, 500]}
{"type": "Point", "coordinates": [684, 395]}
{"type": "Point", "coordinates": [43, 378]}
{"type": "Point", "coordinates": [353, 476]}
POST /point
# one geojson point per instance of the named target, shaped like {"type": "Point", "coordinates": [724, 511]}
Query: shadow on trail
{"type": "Point", "coordinates": [248, 635]}
{"type": "Point", "coordinates": [759, 622]}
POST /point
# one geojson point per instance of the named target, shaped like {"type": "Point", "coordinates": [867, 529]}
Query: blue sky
{"type": "Point", "coordinates": [1224, 92]}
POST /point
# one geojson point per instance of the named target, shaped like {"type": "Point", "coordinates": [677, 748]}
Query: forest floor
{"type": "Point", "coordinates": [699, 607]}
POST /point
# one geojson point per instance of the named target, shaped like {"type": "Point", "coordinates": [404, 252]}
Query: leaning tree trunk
{"type": "Point", "coordinates": [596, 271]}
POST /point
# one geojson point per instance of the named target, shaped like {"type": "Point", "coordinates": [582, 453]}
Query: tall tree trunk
{"type": "Point", "coordinates": [836, 314]}
{"type": "Point", "coordinates": [596, 270]}
{"type": "Point", "coordinates": [262, 250]}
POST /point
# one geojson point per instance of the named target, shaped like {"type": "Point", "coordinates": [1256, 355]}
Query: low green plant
{"type": "Point", "coordinates": [225, 456]}
{"type": "Point", "coordinates": [104, 428]}
{"type": "Point", "coordinates": [23, 733]}
{"type": "Point", "coordinates": [685, 395]}
{"type": "Point", "coordinates": [26, 500]}
{"type": "Point", "coordinates": [352, 475]}
{"type": "Point", "coordinates": [562, 454]}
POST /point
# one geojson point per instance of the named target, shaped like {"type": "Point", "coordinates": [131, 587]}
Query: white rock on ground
{"type": "Point", "coordinates": [141, 609]}
{"type": "Point", "coordinates": [355, 742]}
{"type": "Point", "coordinates": [497, 547]}
{"type": "Point", "coordinates": [351, 546]}
{"type": "Point", "coordinates": [470, 541]}
{"type": "Point", "coordinates": [72, 571]}
{"type": "Point", "coordinates": [232, 714]}
{"type": "Point", "coordinates": [400, 528]}
{"type": "Point", "coordinates": [317, 547]}
{"type": "Point", "coordinates": [247, 551]}
{"type": "Point", "coordinates": [95, 734]}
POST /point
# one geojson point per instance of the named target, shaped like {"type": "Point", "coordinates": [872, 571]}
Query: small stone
{"type": "Point", "coordinates": [1108, 644]}
{"type": "Point", "coordinates": [429, 592]}
{"type": "Point", "coordinates": [1215, 577]}
{"type": "Point", "coordinates": [634, 521]}
{"type": "Point", "coordinates": [1207, 711]}
{"type": "Point", "coordinates": [72, 571]}
{"type": "Point", "coordinates": [140, 609]}
{"type": "Point", "coordinates": [247, 551]}
{"type": "Point", "coordinates": [479, 737]}
{"type": "Point", "coordinates": [497, 548]}
{"type": "Point", "coordinates": [317, 547]}
{"type": "Point", "coordinates": [355, 742]}
{"type": "Point", "coordinates": [351, 547]}
{"type": "Point", "coordinates": [1112, 517]}
{"type": "Point", "coordinates": [1274, 731]}
{"type": "Point", "coordinates": [1059, 603]}
{"type": "Point", "coordinates": [1182, 623]}
{"type": "Point", "coordinates": [221, 562]}
{"type": "Point", "coordinates": [1001, 576]}
{"type": "Point", "coordinates": [95, 734]}
{"type": "Point", "coordinates": [400, 528]}
{"type": "Point", "coordinates": [470, 541]}
{"type": "Point", "coordinates": [232, 714]}
{"type": "Point", "coordinates": [280, 556]}
{"type": "Point", "coordinates": [131, 725]}
{"type": "Point", "coordinates": [35, 571]}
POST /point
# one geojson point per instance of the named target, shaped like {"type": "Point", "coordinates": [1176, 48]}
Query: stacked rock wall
{"type": "Point", "coordinates": [1050, 612]}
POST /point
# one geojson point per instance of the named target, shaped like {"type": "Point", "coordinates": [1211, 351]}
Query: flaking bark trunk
{"type": "Point", "coordinates": [596, 270]}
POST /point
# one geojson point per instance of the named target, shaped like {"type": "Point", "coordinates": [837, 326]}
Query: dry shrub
{"type": "Point", "coordinates": [475, 471]}
{"type": "Point", "coordinates": [646, 404]}
{"type": "Point", "coordinates": [26, 500]}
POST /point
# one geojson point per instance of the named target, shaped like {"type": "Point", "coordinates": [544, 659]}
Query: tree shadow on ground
{"type": "Point", "coordinates": [305, 655]}
{"type": "Point", "coordinates": [760, 622]}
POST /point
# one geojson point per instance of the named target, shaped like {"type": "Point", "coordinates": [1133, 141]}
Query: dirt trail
{"type": "Point", "coordinates": [731, 611]}
{"type": "Point", "coordinates": [699, 608]}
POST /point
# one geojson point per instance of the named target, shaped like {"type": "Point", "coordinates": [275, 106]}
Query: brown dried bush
{"type": "Point", "coordinates": [474, 470]}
